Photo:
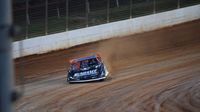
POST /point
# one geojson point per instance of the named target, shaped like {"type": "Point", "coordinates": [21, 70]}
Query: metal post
{"type": "Point", "coordinates": [5, 56]}
{"type": "Point", "coordinates": [87, 12]}
{"type": "Point", "coordinates": [46, 17]}
{"type": "Point", "coordinates": [154, 6]}
{"type": "Point", "coordinates": [27, 18]}
{"type": "Point", "coordinates": [117, 3]}
{"type": "Point", "coordinates": [67, 15]}
{"type": "Point", "coordinates": [58, 12]}
{"type": "Point", "coordinates": [178, 4]}
{"type": "Point", "coordinates": [108, 11]}
{"type": "Point", "coordinates": [131, 8]}
{"type": "Point", "coordinates": [88, 6]}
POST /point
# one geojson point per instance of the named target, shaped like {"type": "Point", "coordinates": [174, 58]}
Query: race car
{"type": "Point", "coordinates": [87, 69]}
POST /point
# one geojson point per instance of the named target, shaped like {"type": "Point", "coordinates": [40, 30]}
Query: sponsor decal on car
{"type": "Point", "coordinates": [86, 73]}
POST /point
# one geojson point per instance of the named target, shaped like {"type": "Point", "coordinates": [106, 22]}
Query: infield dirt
{"type": "Point", "coordinates": [157, 71]}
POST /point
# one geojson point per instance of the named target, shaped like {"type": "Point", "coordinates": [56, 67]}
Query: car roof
{"type": "Point", "coordinates": [84, 58]}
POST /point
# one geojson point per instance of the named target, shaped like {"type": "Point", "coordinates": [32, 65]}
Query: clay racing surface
{"type": "Point", "coordinates": [156, 71]}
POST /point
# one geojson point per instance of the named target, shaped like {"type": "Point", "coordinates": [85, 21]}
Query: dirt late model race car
{"type": "Point", "coordinates": [87, 69]}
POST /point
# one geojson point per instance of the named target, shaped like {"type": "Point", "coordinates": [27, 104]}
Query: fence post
{"type": "Point", "coordinates": [87, 12]}
{"type": "Point", "coordinates": [108, 11]}
{"type": "Point", "coordinates": [178, 5]}
{"type": "Point", "coordinates": [27, 17]}
{"type": "Point", "coordinates": [67, 15]}
{"type": "Point", "coordinates": [46, 17]}
{"type": "Point", "coordinates": [154, 6]}
{"type": "Point", "coordinates": [131, 8]}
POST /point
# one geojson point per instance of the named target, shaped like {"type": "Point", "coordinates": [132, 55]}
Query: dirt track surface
{"type": "Point", "coordinates": [156, 71]}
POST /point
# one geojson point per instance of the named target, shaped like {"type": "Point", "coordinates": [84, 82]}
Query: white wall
{"type": "Point", "coordinates": [68, 39]}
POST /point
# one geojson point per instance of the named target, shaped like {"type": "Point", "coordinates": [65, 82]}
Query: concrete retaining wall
{"type": "Point", "coordinates": [68, 39]}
